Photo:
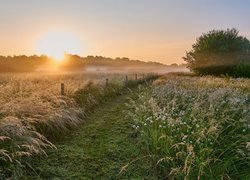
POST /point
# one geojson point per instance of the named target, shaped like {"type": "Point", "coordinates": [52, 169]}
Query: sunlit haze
{"type": "Point", "coordinates": [147, 30]}
{"type": "Point", "coordinates": [57, 43]}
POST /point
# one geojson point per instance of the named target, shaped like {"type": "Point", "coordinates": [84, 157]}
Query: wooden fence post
{"type": "Point", "coordinates": [107, 81]}
{"type": "Point", "coordinates": [62, 89]}
{"type": "Point", "coordinates": [136, 77]}
{"type": "Point", "coordinates": [126, 80]}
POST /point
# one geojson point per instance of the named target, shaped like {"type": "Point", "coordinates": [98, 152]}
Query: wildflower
{"type": "Point", "coordinates": [248, 145]}
{"type": "Point", "coordinates": [197, 125]}
{"type": "Point", "coordinates": [160, 126]}
{"type": "Point", "coordinates": [236, 100]}
{"type": "Point", "coordinates": [184, 137]}
{"type": "Point", "coordinates": [134, 126]}
{"type": "Point", "coordinates": [244, 130]}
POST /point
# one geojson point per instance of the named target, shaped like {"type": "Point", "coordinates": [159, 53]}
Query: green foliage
{"type": "Point", "coordinates": [94, 94]}
{"type": "Point", "coordinates": [18, 140]}
{"type": "Point", "coordinates": [97, 149]}
{"type": "Point", "coordinates": [218, 52]}
{"type": "Point", "coordinates": [242, 70]}
{"type": "Point", "coordinates": [195, 128]}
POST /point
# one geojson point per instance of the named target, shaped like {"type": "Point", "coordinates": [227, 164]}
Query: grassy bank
{"type": "Point", "coordinates": [98, 149]}
{"type": "Point", "coordinates": [195, 127]}
{"type": "Point", "coordinates": [28, 129]}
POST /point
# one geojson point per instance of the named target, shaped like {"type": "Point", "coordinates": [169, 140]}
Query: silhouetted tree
{"type": "Point", "coordinates": [72, 62]}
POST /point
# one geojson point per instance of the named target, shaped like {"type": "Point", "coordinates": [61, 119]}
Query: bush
{"type": "Point", "coordinates": [94, 94]}
{"type": "Point", "coordinates": [242, 70]}
{"type": "Point", "coordinates": [218, 52]}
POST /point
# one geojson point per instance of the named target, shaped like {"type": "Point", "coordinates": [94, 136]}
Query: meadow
{"type": "Point", "coordinates": [194, 127]}
{"type": "Point", "coordinates": [33, 112]}
{"type": "Point", "coordinates": [180, 126]}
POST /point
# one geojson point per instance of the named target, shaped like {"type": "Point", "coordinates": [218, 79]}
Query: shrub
{"type": "Point", "coordinates": [242, 70]}
{"type": "Point", "coordinates": [94, 94]}
{"type": "Point", "coordinates": [218, 52]}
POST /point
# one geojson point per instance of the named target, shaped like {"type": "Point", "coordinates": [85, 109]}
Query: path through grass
{"type": "Point", "coordinates": [98, 149]}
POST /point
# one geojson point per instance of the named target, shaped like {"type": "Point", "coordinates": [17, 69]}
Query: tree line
{"type": "Point", "coordinates": [25, 63]}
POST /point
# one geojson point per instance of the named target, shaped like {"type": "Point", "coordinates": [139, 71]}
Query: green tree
{"type": "Point", "coordinates": [218, 52]}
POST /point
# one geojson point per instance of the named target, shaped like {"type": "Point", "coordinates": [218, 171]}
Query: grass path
{"type": "Point", "coordinates": [98, 149]}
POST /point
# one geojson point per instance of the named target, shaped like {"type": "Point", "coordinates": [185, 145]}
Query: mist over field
{"type": "Point", "coordinates": [90, 64]}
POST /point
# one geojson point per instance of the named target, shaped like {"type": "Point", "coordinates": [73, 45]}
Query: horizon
{"type": "Point", "coordinates": [146, 30]}
{"type": "Point", "coordinates": [86, 57]}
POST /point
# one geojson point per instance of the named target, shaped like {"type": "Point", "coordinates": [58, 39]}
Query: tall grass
{"type": "Point", "coordinates": [195, 127]}
{"type": "Point", "coordinates": [33, 112]}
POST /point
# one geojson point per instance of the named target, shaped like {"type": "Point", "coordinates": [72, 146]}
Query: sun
{"type": "Point", "coordinates": [57, 43]}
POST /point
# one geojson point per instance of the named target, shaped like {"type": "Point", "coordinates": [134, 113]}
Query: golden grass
{"type": "Point", "coordinates": [31, 107]}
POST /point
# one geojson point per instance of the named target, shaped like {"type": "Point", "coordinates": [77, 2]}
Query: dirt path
{"type": "Point", "coordinates": [98, 149]}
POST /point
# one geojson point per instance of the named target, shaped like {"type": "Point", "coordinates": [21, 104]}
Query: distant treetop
{"type": "Point", "coordinates": [25, 63]}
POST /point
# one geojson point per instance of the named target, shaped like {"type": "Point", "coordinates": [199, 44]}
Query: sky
{"type": "Point", "coordinates": [149, 30]}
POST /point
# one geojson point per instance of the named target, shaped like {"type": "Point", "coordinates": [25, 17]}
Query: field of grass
{"type": "Point", "coordinates": [33, 112]}
{"type": "Point", "coordinates": [195, 127]}
{"type": "Point", "coordinates": [97, 149]}
{"type": "Point", "coordinates": [179, 127]}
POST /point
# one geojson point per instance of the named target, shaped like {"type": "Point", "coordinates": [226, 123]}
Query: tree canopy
{"type": "Point", "coordinates": [218, 52]}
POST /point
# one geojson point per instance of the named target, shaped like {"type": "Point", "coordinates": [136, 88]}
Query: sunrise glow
{"type": "Point", "coordinates": [57, 43]}
{"type": "Point", "coordinates": [159, 31]}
